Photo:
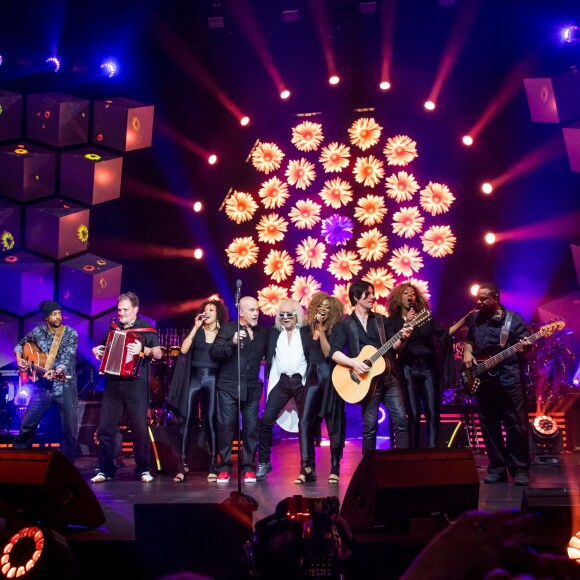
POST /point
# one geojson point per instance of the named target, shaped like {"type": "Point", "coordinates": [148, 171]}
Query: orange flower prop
{"type": "Point", "coordinates": [368, 170]}
{"type": "Point", "coordinates": [336, 193]}
{"type": "Point", "coordinates": [421, 285]}
{"type": "Point", "coordinates": [380, 309]}
{"type": "Point", "coordinates": [344, 265]}
{"type": "Point", "coordinates": [405, 261]}
{"type": "Point", "coordinates": [306, 214]}
{"type": "Point", "coordinates": [300, 173]}
{"type": "Point", "coordinates": [279, 265]}
{"type": "Point", "coordinates": [382, 280]}
{"type": "Point", "coordinates": [303, 288]}
{"type": "Point", "coordinates": [240, 207]}
{"type": "Point", "coordinates": [271, 228]}
{"type": "Point", "coordinates": [438, 241]}
{"type": "Point", "coordinates": [372, 245]}
{"type": "Point", "coordinates": [310, 253]}
{"type": "Point", "coordinates": [365, 133]}
{"type": "Point", "coordinates": [370, 210]}
{"type": "Point", "coordinates": [267, 157]}
{"type": "Point", "coordinates": [407, 222]}
{"type": "Point", "coordinates": [270, 297]}
{"type": "Point", "coordinates": [273, 193]}
{"type": "Point", "coordinates": [401, 186]}
{"type": "Point", "coordinates": [341, 293]}
{"type": "Point", "coordinates": [334, 157]}
{"type": "Point", "coordinates": [242, 252]}
{"type": "Point", "coordinates": [400, 150]}
{"type": "Point", "coordinates": [436, 198]}
{"type": "Point", "coordinates": [307, 136]}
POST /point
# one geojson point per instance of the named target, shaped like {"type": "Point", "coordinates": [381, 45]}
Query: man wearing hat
{"type": "Point", "coordinates": [46, 357]}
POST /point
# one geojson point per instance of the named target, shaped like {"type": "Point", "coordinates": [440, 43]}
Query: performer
{"type": "Point", "coordinates": [253, 339]}
{"type": "Point", "coordinates": [58, 385]}
{"type": "Point", "coordinates": [320, 400]}
{"type": "Point", "coordinates": [131, 393]}
{"type": "Point", "coordinates": [194, 384]}
{"type": "Point", "coordinates": [287, 362]}
{"type": "Point", "coordinates": [364, 327]}
{"type": "Point", "coordinates": [426, 360]}
{"type": "Point", "coordinates": [501, 399]}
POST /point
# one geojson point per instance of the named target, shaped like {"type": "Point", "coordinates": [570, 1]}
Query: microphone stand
{"type": "Point", "coordinates": [237, 497]}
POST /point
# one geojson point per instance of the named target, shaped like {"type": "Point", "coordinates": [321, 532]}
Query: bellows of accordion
{"type": "Point", "coordinates": [116, 361]}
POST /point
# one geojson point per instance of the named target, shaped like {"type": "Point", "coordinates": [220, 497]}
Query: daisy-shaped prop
{"type": "Point", "coordinates": [337, 230]}
{"type": "Point", "coordinates": [278, 265]}
{"type": "Point", "coordinates": [300, 173]}
{"type": "Point", "coordinates": [273, 193]}
{"type": "Point", "coordinates": [370, 210]}
{"type": "Point", "coordinates": [242, 252]}
{"type": "Point", "coordinates": [381, 279]}
{"type": "Point", "coordinates": [368, 170]}
{"type": "Point", "coordinates": [310, 253]}
{"type": "Point", "coordinates": [372, 245]}
{"type": "Point", "coordinates": [400, 150]}
{"type": "Point", "coordinates": [270, 297]}
{"type": "Point", "coordinates": [334, 157]}
{"type": "Point", "coordinates": [307, 136]}
{"type": "Point", "coordinates": [436, 198]}
{"type": "Point", "coordinates": [401, 186]}
{"type": "Point", "coordinates": [406, 260]}
{"type": "Point", "coordinates": [344, 265]}
{"type": "Point", "coordinates": [305, 214]}
{"type": "Point", "coordinates": [240, 207]}
{"type": "Point", "coordinates": [271, 228]}
{"type": "Point", "coordinates": [438, 241]}
{"type": "Point", "coordinates": [267, 157]}
{"type": "Point", "coordinates": [407, 222]}
{"type": "Point", "coordinates": [303, 288]}
{"type": "Point", "coordinates": [365, 133]}
{"type": "Point", "coordinates": [336, 193]}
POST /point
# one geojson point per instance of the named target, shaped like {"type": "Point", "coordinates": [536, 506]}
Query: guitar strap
{"type": "Point", "coordinates": [505, 329]}
{"type": "Point", "coordinates": [54, 347]}
{"type": "Point", "coordinates": [381, 328]}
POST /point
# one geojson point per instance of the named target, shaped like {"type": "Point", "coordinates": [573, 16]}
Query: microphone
{"type": "Point", "coordinates": [240, 339]}
{"type": "Point", "coordinates": [238, 288]}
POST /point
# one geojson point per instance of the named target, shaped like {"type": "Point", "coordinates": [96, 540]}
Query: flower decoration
{"type": "Point", "coordinates": [407, 222]}
{"type": "Point", "coordinates": [370, 210]}
{"type": "Point", "coordinates": [336, 193]}
{"type": "Point", "coordinates": [11, 259]}
{"type": "Point", "coordinates": [305, 214]}
{"type": "Point", "coordinates": [279, 265]}
{"type": "Point", "coordinates": [401, 186]}
{"type": "Point", "coordinates": [93, 157]}
{"type": "Point", "coordinates": [334, 157]}
{"type": "Point", "coordinates": [21, 150]}
{"type": "Point", "coordinates": [421, 285]}
{"type": "Point", "coordinates": [267, 157]}
{"type": "Point", "coordinates": [380, 309]}
{"type": "Point", "coordinates": [382, 280]}
{"type": "Point", "coordinates": [270, 297]}
{"type": "Point", "coordinates": [368, 170]}
{"type": "Point", "coordinates": [400, 150]}
{"type": "Point", "coordinates": [300, 173]}
{"type": "Point", "coordinates": [372, 245]}
{"type": "Point", "coordinates": [310, 253]}
{"type": "Point", "coordinates": [438, 241]}
{"type": "Point", "coordinates": [242, 252]}
{"type": "Point", "coordinates": [271, 228]}
{"type": "Point", "coordinates": [344, 265]}
{"type": "Point", "coordinates": [240, 207]}
{"type": "Point", "coordinates": [6, 241]}
{"type": "Point", "coordinates": [406, 260]}
{"type": "Point", "coordinates": [303, 288]}
{"type": "Point", "coordinates": [273, 193]}
{"type": "Point", "coordinates": [337, 229]}
{"type": "Point", "coordinates": [88, 268]}
{"type": "Point", "coordinates": [340, 292]}
{"type": "Point", "coordinates": [83, 233]}
{"type": "Point", "coordinates": [365, 133]}
{"type": "Point", "coordinates": [436, 198]}
{"type": "Point", "coordinates": [307, 136]}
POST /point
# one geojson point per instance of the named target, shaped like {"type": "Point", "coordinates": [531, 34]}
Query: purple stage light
{"type": "Point", "coordinates": [54, 62]}
{"type": "Point", "coordinates": [109, 68]}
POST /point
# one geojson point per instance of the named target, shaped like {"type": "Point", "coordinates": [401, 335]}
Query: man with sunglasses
{"type": "Point", "coordinates": [364, 327]}
{"type": "Point", "coordinates": [287, 362]}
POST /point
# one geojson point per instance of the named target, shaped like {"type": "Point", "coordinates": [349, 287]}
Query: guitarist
{"type": "Point", "coordinates": [59, 344]}
{"type": "Point", "coordinates": [364, 327]}
{"type": "Point", "coordinates": [500, 397]}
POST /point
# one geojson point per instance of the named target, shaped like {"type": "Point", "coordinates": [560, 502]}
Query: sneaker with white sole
{"type": "Point", "coordinates": [100, 477]}
{"type": "Point", "coordinates": [146, 477]}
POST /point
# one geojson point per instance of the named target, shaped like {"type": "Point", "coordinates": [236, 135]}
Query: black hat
{"type": "Point", "coordinates": [48, 307]}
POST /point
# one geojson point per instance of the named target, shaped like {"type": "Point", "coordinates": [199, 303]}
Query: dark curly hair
{"type": "Point", "coordinates": [336, 309]}
{"type": "Point", "coordinates": [395, 303]}
{"type": "Point", "coordinates": [220, 308]}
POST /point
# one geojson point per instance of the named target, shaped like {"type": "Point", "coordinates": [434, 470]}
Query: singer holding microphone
{"type": "Point", "coordinates": [194, 385]}
{"type": "Point", "coordinates": [425, 360]}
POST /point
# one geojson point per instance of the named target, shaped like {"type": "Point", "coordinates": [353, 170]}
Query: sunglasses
{"type": "Point", "coordinates": [286, 314]}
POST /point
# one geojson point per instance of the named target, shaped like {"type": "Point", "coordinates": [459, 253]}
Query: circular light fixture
{"type": "Point", "coordinates": [212, 159]}
{"type": "Point", "coordinates": [486, 188]}
{"type": "Point", "coordinates": [285, 94]}
{"type": "Point", "coordinates": [545, 431]}
{"type": "Point", "coordinates": [490, 238]}
{"type": "Point", "coordinates": [429, 105]}
{"type": "Point", "coordinates": [197, 206]}
{"type": "Point", "coordinates": [467, 140]}
{"type": "Point", "coordinates": [384, 85]}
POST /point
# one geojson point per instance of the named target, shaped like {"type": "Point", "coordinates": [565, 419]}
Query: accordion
{"type": "Point", "coordinates": [116, 361]}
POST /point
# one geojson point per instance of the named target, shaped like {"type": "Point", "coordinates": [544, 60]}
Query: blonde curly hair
{"type": "Point", "coordinates": [336, 309]}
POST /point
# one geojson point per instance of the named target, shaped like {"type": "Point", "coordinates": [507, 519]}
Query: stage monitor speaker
{"type": "Point", "coordinates": [390, 488]}
{"type": "Point", "coordinates": [205, 538]}
{"type": "Point", "coordinates": [555, 510]}
{"type": "Point", "coordinates": [166, 451]}
{"type": "Point", "coordinates": [43, 486]}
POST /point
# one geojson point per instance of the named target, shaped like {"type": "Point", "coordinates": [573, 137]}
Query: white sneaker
{"type": "Point", "coordinates": [100, 477]}
{"type": "Point", "coordinates": [146, 477]}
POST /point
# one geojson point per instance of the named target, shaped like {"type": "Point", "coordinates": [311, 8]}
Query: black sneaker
{"type": "Point", "coordinates": [263, 470]}
{"type": "Point", "coordinates": [494, 478]}
{"type": "Point", "coordinates": [521, 479]}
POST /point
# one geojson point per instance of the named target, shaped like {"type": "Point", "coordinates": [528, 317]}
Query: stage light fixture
{"type": "Point", "coordinates": [474, 289]}
{"type": "Point", "coordinates": [429, 105]}
{"type": "Point", "coordinates": [245, 121]}
{"type": "Point", "coordinates": [54, 63]}
{"type": "Point", "coordinates": [574, 548]}
{"type": "Point", "coordinates": [571, 34]}
{"type": "Point", "coordinates": [109, 68]}
{"type": "Point", "coordinates": [490, 238]}
{"type": "Point", "coordinates": [487, 188]}
{"type": "Point", "coordinates": [212, 159]}
{"type": "Point", "coordinates": [198, 253]}
{"type": "Point", "coordinates": [197, 206]}
{"type": "Point", "coordinates": [334, 80]}
{"type": "Point", "coordinates": [467, 140]}
{"type": "Point", "coordinates": [285, 94]}
{"type": "Point", "coordinates": [1, 60]}
{"type": "Point", "coordinates": [384, 85]}
{"type": "Point", "coordinates": [545, 431]}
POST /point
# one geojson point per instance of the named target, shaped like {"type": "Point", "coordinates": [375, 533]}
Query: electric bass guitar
{"type": "Point", "coordinates": [469, 376]}
{"type": "Point", "coordinates": [36, 361]}
{"type": "Point", "coordinates": [354, 388]}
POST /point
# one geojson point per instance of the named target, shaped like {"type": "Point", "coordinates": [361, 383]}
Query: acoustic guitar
{"type": "Point", "coordinates": [36, 361]}
{"type": "Point", "coordinates": [354, 388]}
{"type": "Point", "coordinates": [470, 376]}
